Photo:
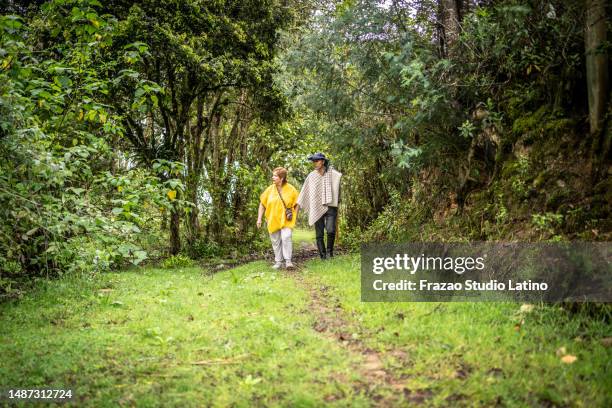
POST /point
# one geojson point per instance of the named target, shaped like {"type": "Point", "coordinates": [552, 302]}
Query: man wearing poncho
{"type": "Point", "coordinates": [319, 197]}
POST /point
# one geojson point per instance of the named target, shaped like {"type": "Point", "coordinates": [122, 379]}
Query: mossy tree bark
{"type": "Point", "coordinates": [598, 83]}
{"type": "Point", "coordinates": [596, 62]}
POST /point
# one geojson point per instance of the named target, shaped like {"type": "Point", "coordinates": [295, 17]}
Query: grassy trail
{"type": "Point", "coordinates": [251, 336]}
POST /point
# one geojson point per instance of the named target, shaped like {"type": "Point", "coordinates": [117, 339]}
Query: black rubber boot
{"type": "Point", "coordinates": [330, 244]}
{"type": "Point", "coordinates": [321, 247]}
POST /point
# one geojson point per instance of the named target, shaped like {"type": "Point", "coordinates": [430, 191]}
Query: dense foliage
{"type": "Point", "coordinates": [479, 126]}
{"type": "Point", "coordinates": [135, 130]}
{"type": "Point", "coordinates": [67, 204]}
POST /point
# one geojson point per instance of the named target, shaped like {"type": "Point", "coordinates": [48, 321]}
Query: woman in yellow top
{"type": "Point", "coordinates": [279, 227]}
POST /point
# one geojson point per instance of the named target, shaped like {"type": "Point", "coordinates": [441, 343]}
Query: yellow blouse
{"type": "Point", "coordinates": [275, 211]}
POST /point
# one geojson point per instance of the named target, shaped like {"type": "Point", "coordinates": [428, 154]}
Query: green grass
{"type": "Point", "coordinates": [133, 337]}
{"type": "Point", "coordinates": [135, 343]}
{"type": "Point", "coordinates": [301, 237]}
{"type": "Point", "coordinates": [479, 353]}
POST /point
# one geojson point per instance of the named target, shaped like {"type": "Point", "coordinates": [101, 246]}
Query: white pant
{"type": "Point", "coordinates": [282, 245]}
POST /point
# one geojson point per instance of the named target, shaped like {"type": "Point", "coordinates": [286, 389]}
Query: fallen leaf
{"type": "Point", "coordinates": [526, 308]}
{"type": "Point", "coordinates": [568, 359]}
{"type": "Point", "coordinates": [606, 342]}
{"type": "Point", "coordinates": [561, 351]}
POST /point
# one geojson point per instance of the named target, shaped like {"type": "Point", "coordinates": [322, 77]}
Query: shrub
{"type": "Point", "coordinates": [177, 261]}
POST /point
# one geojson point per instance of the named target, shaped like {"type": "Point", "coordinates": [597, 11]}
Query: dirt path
{"type": "Point", "coordinates": [380, 384]}
{"type": "Point", "coordinates": [383, 386]}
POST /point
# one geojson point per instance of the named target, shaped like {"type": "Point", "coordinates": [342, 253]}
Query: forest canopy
{"type": "Point", "coordinates": [132, 131]}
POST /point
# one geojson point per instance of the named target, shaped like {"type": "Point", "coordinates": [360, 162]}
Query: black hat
{"type": "Point", "coordinates": [317, 156]}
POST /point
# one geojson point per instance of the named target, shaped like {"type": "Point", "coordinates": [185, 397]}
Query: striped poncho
{"type": "Point", "coordinates": [319, 192]}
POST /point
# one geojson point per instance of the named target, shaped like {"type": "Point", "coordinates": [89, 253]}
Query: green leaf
{"type": "Point", "coordinates": [62, 81]}
{"type": "Point", "coordinates": [139, 93]}
{"type": "Point", "coordinates": [139, 256]}
{"type": "Point", "coordinates": [76, 190]}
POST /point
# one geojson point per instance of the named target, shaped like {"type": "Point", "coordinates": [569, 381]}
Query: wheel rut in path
{"type": "Point", "coordinates": [382, 385]}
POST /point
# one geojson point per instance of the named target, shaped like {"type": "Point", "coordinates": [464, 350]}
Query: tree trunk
{"type": "Point", "coordinates": [164, 221]}
{"type": "Point", "coordinates": [195, 146]}
{"type": "Point", "coordinates": [193, 223]}
{"type": "Point", "coordinates": [216, 178]}
{"type": "Point", "coordinates": [175, 238]}
{"type": "Point", "coordinates": [450, 20]}
{"type": "Point", "coordinates": [596, 63]}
